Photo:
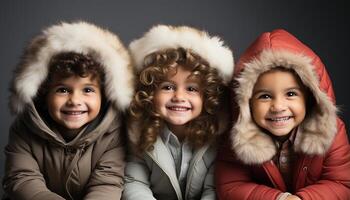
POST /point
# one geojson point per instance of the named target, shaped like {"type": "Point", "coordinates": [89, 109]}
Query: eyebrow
{"type": "Point", "coordinates": [166, 81]}
{"type": "Point", "coordinates": [188, 80]}
{"type": "Point", "coordinates": [266, 90]}
{"type": "Point", "coordinates": [65, 85]}
{"type": "Point", "coordinates": [90, 84]}
{"type": "Point", "coordinates": [294, 88]}
{"type": "Point", "coordinates": [261, 91]}
{"type": "Point", "coordinates": [57, 84]}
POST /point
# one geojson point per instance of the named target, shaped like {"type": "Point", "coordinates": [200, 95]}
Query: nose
{"type": "Point", "coordinates": [278, 105]}
{"type": "Point", "coordinates": [74, 99]}
{"type": "Point", "coordinates": [179, 95]}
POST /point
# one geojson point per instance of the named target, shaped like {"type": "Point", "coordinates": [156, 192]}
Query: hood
{"type": "Point", "coordinates": [161, 37]}
{"type": "Point", "coordinates": [316, 132]}
{"type": "Point", "coordinates": [210, 48]}
{"type": "Point", "coordinates": [79, 37]}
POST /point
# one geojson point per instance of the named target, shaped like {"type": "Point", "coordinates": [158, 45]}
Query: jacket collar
{"type": "Point", "coordinates": [108, 121]}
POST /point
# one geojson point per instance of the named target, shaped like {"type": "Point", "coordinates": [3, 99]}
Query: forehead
{"type": "Point", "coordinates": [74, 80]}
{"type": "Point", "coordinates": [278, 79]}
{"type": "Point", "coordinates": [181, 73]}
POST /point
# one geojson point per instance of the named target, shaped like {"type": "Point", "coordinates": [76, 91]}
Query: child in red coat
{"type": "Point", "coordinates": [287, 142]}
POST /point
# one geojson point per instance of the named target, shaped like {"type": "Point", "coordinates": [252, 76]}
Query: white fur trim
{"type": "Point", "coordinates": [162, 37]}
{"type": "Point", "coordinates": [79, 37]}
{"type": "Point", "coordinates": [250, 143]}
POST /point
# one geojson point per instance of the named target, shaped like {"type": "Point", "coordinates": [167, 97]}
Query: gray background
{"type": "Point", "coordinates": [319, 24]}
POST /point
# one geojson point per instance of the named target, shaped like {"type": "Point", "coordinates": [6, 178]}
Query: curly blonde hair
{"type": "Point", "coordinates": [157, 65]}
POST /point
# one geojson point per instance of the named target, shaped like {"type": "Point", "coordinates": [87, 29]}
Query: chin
{"type": "Point", "coordinates": [279, 133]}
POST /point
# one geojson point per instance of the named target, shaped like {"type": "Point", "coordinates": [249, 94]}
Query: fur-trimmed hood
{"type": "Point", "coordinates": [80, 37]}
{"type": "Point", "coordinates": [316, 133]}
{"type": "Point", "coordinates": [163, 37]}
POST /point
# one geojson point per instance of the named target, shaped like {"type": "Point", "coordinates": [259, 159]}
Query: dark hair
{"type": "Point", "coordinates": [157, 66]}
{"type": "Point", "coordinates": [68, 64]}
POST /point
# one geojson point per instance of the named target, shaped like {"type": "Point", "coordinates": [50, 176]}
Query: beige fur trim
{"type": "Point", "coordinates": [80, 37]}
{"type": "Point", "coordinates": [317, 132]}
{"type": "Point", "coordinates": [162, 37]}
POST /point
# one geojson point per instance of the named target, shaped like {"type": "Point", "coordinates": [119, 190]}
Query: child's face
{"type": "Point", "coordinates": [278, 102]}
{"type": "Point", "coordinates": [179, 98]}
{"type": "Point", "coordinates": [74, 102]}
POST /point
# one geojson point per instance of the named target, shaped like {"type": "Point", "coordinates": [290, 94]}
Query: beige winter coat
{"type": "Point", "coordinates": [41, 165]}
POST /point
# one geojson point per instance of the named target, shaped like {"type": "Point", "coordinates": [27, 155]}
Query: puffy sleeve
{"type": "Point", "coordinates": [23, 179]}
{"type": "Point", "coordinates": [235, 181]}
{"type": "Point", "coordinates": [137, 183]}
{"type": "Point", "coordinates": [335, 179]}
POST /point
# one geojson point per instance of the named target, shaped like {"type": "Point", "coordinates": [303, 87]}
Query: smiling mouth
{"type": "Point", "coordinates": [279, 119]}
{"type": "Point", "coordinates": [73, 112]}
{"type": "Point", "coordinates": [178, 108]}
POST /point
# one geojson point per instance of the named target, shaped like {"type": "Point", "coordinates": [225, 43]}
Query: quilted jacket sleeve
{"type": "Point", "coordinates": [234, 180]}
{"type": "Point", "coordinates": [335, 180]}
{"type": "Point", "coordinates": [23, 179]}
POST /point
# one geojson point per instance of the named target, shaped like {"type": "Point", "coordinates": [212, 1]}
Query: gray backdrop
{"type": "Point", "coordinates": [319, 24]}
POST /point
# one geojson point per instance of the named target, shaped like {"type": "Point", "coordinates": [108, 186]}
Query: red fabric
{"type": "Point", "coordinates": [281, 39]}
{"type": "Point", "coordinates": [314, 177]}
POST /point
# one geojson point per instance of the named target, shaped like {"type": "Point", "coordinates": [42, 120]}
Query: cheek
{"type": "Point", "coordinates": [159, 100]}
{"type": "Point", "coordinates": [54, 103]}
{"type": "Point", "coordinates": [95, 103]}
{"type": "Point", "coordinates": [300, 109]}
{"type": "Point", "coordinates": [199, 104]}
{"type": "Point", "coordinates": [258, 110]}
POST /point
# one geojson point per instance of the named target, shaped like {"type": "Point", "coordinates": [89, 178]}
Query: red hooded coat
{"type": "Point", "coordinates": [244, 167]}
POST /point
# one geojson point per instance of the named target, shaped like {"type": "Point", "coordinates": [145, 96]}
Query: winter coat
{"type": "Point", "coordinates": [153, 175]}
{"type": "Point", "coordinates": [40, 164]}
{"type": "Point", "coordinates": [244, 167]}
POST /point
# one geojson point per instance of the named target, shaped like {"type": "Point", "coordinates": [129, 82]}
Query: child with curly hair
{"type": "Point", "coordinates": [183, 74]}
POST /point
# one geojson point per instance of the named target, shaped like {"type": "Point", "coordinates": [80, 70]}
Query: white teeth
{"type": "Point", "coordinates": [178, 108]}
{"type": "Point", "coordinates": [280, 119]}
{"type": "Point", "coordinates": [73, 112]}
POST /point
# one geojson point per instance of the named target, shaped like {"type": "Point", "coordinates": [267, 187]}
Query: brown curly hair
{"type": "Point", "coordinates": [157, 65]}
{"type": "Point", "coordinates": [68, 64]}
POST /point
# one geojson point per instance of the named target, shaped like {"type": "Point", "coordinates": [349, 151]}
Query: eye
{"type": "Point", "coordinates": [264, 96]}
{"type": "Point", "coordinates": [292, 94]}
{"type": "Point", "coordinates": [192, 89]}
{"type": "Point", "coordinates": [62, 90]}
{"type": "Point", "coordinates": [167, 87]}
{"type": "Point", "coordinates": [89, 89]}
